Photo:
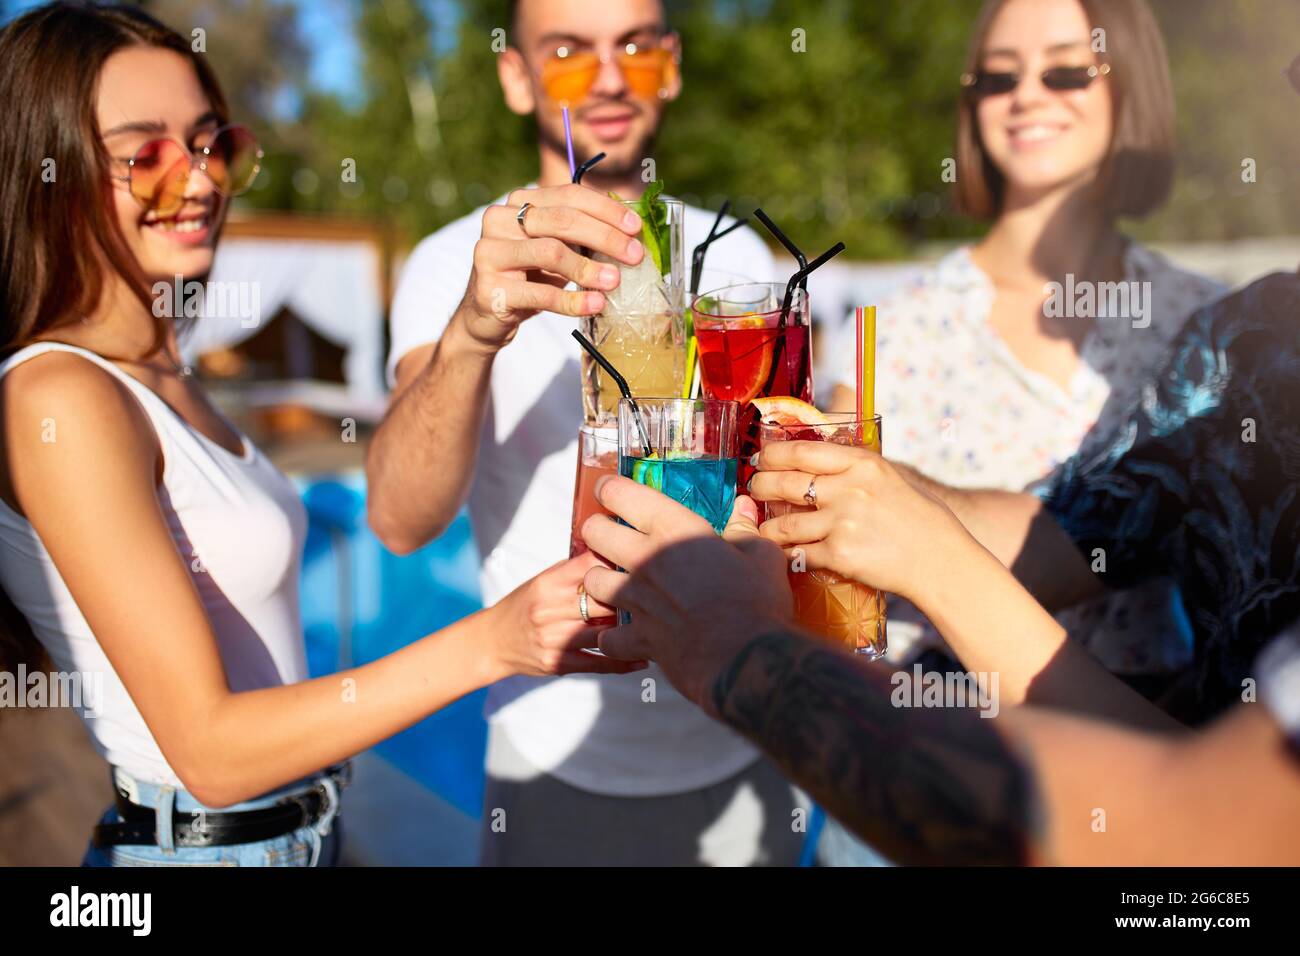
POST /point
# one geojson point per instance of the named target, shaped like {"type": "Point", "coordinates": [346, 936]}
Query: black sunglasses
{"type": "Point", "coordinates": [1059, 79]}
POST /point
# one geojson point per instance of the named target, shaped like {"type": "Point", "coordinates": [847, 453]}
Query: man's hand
{"type": "Point", "coordinates": [520, 271]}
{"type": "Point", "coordinates": [695, 598]}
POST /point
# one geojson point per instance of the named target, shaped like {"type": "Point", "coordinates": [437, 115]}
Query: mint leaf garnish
{"type": "Point", "coordinates": [654, 225]}
{"type": "Point", "coordinates": [655, 235]}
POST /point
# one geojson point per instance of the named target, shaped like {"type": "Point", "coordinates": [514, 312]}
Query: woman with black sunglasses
{"type": "Point", "coordinates": [146, 546]}
{"type": "Point", "coordinates": [997, 362]}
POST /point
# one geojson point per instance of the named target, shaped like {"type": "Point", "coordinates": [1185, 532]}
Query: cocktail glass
{"type": "Point", "coordinates": [685, 448]}
{"type": "Point", "coordinates": [841, 610]}
{"type": "Point", "coordinates": [597, 456]}
{"type": "Point", "coordinates": [747, 352]}
{"type": "Point", "coordinates": [641, 329]}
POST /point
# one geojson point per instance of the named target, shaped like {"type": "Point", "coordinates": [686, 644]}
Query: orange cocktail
{"type": "Point", "coordinates": [842, 610]}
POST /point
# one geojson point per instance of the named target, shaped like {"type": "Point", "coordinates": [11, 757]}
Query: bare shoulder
{"type": "Point", "coordinates": [62, 403]}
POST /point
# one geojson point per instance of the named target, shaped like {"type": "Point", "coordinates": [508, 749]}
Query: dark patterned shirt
{"type": "Point", "coordinates": [1200, 482]}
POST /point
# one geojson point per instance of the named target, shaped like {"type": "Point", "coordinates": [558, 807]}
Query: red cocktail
{"type": "Point", "coordinates": [747, 350]}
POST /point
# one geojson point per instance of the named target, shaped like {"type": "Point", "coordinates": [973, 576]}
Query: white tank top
{"type": "Point", "coordinates": [240, 527]}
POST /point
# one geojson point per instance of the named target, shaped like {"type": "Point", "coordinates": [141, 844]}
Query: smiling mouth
{"type": "Point", "coordinates": [182, 224]}
{"type": "Point", "coordinates": [1035, 133]}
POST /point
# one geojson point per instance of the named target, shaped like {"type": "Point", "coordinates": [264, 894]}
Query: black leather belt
{"type": "Point", "coordinates": [200, 828]}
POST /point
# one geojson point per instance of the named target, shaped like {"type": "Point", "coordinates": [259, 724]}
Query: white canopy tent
{"type": "Point", "coordinates": [334, 285]}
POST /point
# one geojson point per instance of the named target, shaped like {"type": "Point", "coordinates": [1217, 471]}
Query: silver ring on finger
{"type": "Point", "coordinates": [521, 215]}
{"type": "Point", "coordinates": [582, 604]}
{"type": "Point", "coordinates": [810, 495]}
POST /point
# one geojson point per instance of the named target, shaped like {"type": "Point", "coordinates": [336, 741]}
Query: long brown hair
{"type": "Point", "coordinates": [58, 236]}
{"type": "Point", "coordinates": [1139, 167]}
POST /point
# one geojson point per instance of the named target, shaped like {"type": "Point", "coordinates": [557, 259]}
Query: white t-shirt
{"type": "Point", "coordinates": [594, 732]}
{"type": "Point", "coordinates": [959, 406]}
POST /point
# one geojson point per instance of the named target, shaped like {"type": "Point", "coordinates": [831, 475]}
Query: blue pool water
{"type": "Point", "coordinates": [360, 602]}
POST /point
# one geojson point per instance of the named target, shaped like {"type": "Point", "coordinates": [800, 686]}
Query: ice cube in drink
{"type": "Point", "coordinates": [647, 349]}
{"type": "Point", "coordinates": [641, 329]}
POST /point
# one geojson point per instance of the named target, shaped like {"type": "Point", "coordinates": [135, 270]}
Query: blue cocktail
{"type": "Point", "coordinates": [705, 485]}
{"type": "Point", "coordinates": [686, 448]}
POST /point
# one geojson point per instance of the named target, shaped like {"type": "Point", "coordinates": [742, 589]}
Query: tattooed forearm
{"type": "Point", "coordinates": [924, 785]}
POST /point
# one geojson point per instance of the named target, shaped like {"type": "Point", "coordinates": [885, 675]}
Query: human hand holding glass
{"type": "Point", "coordinates": [641, 328]}
{"type": "Point", "coordinates": [541, 631]}
{"type": "Point", "coordinates": [695, 597]}
{"type": "Point", "coordinates": [526, 256]}
{"type": "Point", "coordinates": [870, 523]}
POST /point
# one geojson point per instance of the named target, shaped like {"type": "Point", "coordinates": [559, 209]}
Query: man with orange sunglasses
{"type": "Point", "coordinates": [581, 769]}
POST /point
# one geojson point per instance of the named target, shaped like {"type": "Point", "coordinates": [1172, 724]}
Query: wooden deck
{"type": "Point", "coordinates": [53, 787]}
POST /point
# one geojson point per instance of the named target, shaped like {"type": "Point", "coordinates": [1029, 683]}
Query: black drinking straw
{"type": "Point", "coordinates": [800, 278]}
{"type": "Point", "coordinates": [782, 238]}
{"type": "Point", "coordinates": [577, 178]}
{"type": "Point", "coordinates": [622, 386]}
{"type": "Point", "coordinates": [582, 170]}
{"type": "Point", "coordinates": [697, 255]}
{"type": "Point", "coordinates": [796, 281]}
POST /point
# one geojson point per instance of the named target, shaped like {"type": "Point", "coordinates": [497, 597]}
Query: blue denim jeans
{"type": "Point", "coordinates": [317, 845]}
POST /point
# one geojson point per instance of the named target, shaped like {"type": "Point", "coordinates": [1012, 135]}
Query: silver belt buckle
{"type": "Point", "coordinates": [342, 774]}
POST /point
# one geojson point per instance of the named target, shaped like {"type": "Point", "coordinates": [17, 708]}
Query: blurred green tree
{"type": "Point", "coordinates": [1234, 105]}
{"type": "Point", "coordinates": [796, 132]}
{"type": "Point", "coordinates": [377, 159]}
{"type": "Point", "coordinates": [836, 117]}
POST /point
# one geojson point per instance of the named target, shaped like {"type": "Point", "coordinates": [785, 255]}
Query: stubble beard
{"type": "Point", "coordinates": [610, 167]}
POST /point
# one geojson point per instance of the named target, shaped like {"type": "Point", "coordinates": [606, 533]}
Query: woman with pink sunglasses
{"type": "Point", "coordinates": [146, 545]}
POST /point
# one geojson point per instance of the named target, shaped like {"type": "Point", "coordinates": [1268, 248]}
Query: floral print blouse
{"type": "Point", "coordinates": [959, 406]}
{"type": "Point", "coordinates": [1200, 482]}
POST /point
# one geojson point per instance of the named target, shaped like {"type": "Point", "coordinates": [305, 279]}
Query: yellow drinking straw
{"type": "Point", "coordinates": [692, 347]}
{"type": "Point", "coordinates": [866, 354]}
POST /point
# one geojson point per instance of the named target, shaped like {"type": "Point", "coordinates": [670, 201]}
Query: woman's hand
{"type": "Point", "coordinates": [871, 523]}
{"type": "Point", "coordinates": [539, 629]}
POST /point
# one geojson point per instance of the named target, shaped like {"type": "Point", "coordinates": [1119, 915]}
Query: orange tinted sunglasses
{"type": "Point", "coordinates": [159, 172]}
{"type": "Point", "coordinates": [568, 76]}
